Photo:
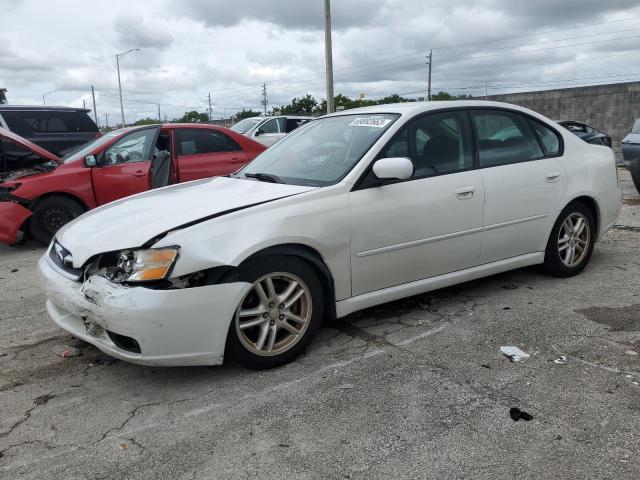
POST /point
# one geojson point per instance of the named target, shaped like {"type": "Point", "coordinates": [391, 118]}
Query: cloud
{"type": "Point", "coordinates": [289, 14]}
{"type": "Point", "coordinates": [193, 47]}
{"type": "Point", "coordinates": [134, 31]}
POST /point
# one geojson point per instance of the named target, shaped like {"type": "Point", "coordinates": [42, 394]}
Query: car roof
{"type": "Point", "coordinates": [412, 108]}
{"type": "Point", "coordinates": [41, 108]}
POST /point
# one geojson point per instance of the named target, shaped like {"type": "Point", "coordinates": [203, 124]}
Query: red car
{"type": "Point", "coordinates": [43, 192]}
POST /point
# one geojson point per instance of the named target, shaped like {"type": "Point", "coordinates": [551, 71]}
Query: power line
{"type": "Point", "coordinates": [441, 47]}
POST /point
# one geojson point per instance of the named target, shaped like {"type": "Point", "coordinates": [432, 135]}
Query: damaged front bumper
{"type": "Point", "coordinates": [151, 327]}
{"type": "Point", "coordinates": [12, 217]}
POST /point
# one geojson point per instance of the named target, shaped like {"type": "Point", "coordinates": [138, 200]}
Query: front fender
{"type": "Point", "coordinates": [12, 217]}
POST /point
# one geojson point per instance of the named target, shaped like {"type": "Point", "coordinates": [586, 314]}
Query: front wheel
{"type": "Point", "coordinates": [571, 241]}
{"type": "Point", "coordinates": [49, 215]}
{"type": "Point", "coordinates": [279, 316]}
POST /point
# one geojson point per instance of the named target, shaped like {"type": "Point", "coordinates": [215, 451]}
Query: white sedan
{"type": "Point", "coordinates": [355, 209]}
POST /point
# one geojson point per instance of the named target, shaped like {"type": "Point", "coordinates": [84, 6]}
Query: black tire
{"type": "Point", "coordinates": [49, 215]}
{"type": "Point", "coordinates": [634, 168]}
{"type": "Point", "coordinates": [553, 263]}
{"type": "Point", "coordinates": [257, 269]}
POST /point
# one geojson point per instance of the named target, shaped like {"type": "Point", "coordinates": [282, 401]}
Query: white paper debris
{"type": "Point", "coordinates": [514, 353]}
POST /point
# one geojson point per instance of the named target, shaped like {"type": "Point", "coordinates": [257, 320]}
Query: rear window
{"type": "Point", "coordinates": [30, 122]}
{"type": "Point", "coordinates": [636, 127]}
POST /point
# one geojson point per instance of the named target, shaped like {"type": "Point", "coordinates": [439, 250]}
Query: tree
{"type": "Point", "coordinates": [146, 121]}
{"type": "Point", "coordinates": [3, 95]}
{"type": "Point", "coordinates": [300, 106]}
{"type": "Point", "coordinates": [244, 113]}
{"type": "Point", "coordinates": [193, 117]}
{"type": "Point", "coordinates": [448, 96]}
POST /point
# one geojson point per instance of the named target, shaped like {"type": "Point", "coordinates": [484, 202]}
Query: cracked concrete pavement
{"type": "Point", "coordinates": [416, 388]}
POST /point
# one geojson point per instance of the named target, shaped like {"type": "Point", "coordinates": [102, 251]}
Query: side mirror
{"type": "Point", "coordinates": [90, 161]}
{"type": "Point", "coordinates": [394, 168]}
{"type": "Point", "coordinates": [258, 132]}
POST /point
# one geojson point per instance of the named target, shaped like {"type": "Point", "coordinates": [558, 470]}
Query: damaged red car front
{"type": "Point", "coordinates": [19, 158]}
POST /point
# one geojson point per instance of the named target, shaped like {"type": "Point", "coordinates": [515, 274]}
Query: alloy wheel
{"type": "Point", "coordinates": [274, 315]}
{"type": "Point", "coordinates": [573, 239]}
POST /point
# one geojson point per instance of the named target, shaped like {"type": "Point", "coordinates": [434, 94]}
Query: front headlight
{"type": "Point", "coordinates": [143, 265]}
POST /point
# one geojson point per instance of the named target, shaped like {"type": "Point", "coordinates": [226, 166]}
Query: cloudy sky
{"type": "Point", "coordinates": [190, 48]}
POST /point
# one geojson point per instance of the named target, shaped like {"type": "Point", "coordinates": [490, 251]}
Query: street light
{"type": "Point", "coordinates": [118, 57]}
{"type": "Point", "coordinates": [44, 102]}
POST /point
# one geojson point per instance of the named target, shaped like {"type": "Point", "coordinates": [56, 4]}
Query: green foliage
{"type": "Point", "coordinates": [146, 121]}
{"type": "Point", "coordinates": [3, 95]}
{"type": "Point", "coordinates": [244, 113]}
{"type": "Point", "coordinates": [448, 96]}
{"type": "Point", "coordinates": [300, 106]}
{"type": "Point", "coordinates": [193, 117]}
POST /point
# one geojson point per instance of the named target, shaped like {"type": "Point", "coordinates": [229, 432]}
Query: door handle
{"type": "Point", "coordinates": [465, 193]}
{"type": "Point", "coordinates": [139, 173]}
{"type": "Point", "coordinates": [553, 177]}
{"type": "Point", "coordinates": [237, 160]}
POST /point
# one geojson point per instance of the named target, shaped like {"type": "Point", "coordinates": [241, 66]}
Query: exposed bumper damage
{"type": "Point", "coordinates": [169, 327]}
{"type": "Point", "coordinates": [12, 217]}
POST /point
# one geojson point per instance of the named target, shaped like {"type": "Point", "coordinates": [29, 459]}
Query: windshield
{"type": "Point", "coordinates": [636, 127]}
{"type": "Point", "coordinates": [245, 125]}
{"type": "Point", "coordinates": [322, 152]}
{"type": "Point", "coordinates": [87, 148]}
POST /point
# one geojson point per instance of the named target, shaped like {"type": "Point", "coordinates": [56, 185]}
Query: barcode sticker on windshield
{"type": "Point", "coordinates": [370, 122]}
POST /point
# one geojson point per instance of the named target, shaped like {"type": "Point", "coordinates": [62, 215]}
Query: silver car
{"type": "Point", "coordinates": [268, 130]}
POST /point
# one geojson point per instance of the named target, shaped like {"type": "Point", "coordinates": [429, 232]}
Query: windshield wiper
{"type": "Point", "coordinates": [264, 177]}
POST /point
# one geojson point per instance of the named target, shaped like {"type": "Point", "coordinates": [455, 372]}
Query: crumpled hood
{"type": "Point", "coordinates": [27, 172]}
{"type": "Point", "coordinates": [132, 221]}
{"type": "Point", "coordinates": [48, 160]}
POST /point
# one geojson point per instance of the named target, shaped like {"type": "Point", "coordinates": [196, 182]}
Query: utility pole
{"type": "Point", "coordinates": [264, 98]}
{"type": "Point", "coordinates": [84, 104]}
{"type": "Point", "coordinates": [429, 62]}
{"type": "Point", "coordinates": [328, 55]}
{"type": "Point", "coordinates": [486, 90]}
{"type": "Point", "coordinates": [209, 107]}
{"type": "Point", "coordinates": [95, 112]}
{"type": "Point", "coordinates": [106, 120]}
{"type": "Point", "coordinates": [118, 55]}
{"type": "Point", "coordinates": [159, 117]}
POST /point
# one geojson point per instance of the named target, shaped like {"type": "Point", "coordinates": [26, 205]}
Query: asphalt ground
{"type": "Point", "coordinates": [416, 388]}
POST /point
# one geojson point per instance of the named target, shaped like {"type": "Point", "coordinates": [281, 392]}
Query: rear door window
{"type": "Point", "coordinates": [194, 142]}
{"type": "Point", "coordinates": [30, 122]}
{"type": "Point", "coordinates": [504, 138]}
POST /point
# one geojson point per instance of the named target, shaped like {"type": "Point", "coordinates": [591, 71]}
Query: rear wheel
{"type": "Point", "coordinates": [571, 241]}
{"type": "Point", "coordinates": [49, 215]}
{"type": "Point", "coordinates": [279, 316]}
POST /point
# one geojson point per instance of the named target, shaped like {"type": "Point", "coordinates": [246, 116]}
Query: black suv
{"type": "Point", "coordinates": [57, 129]}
